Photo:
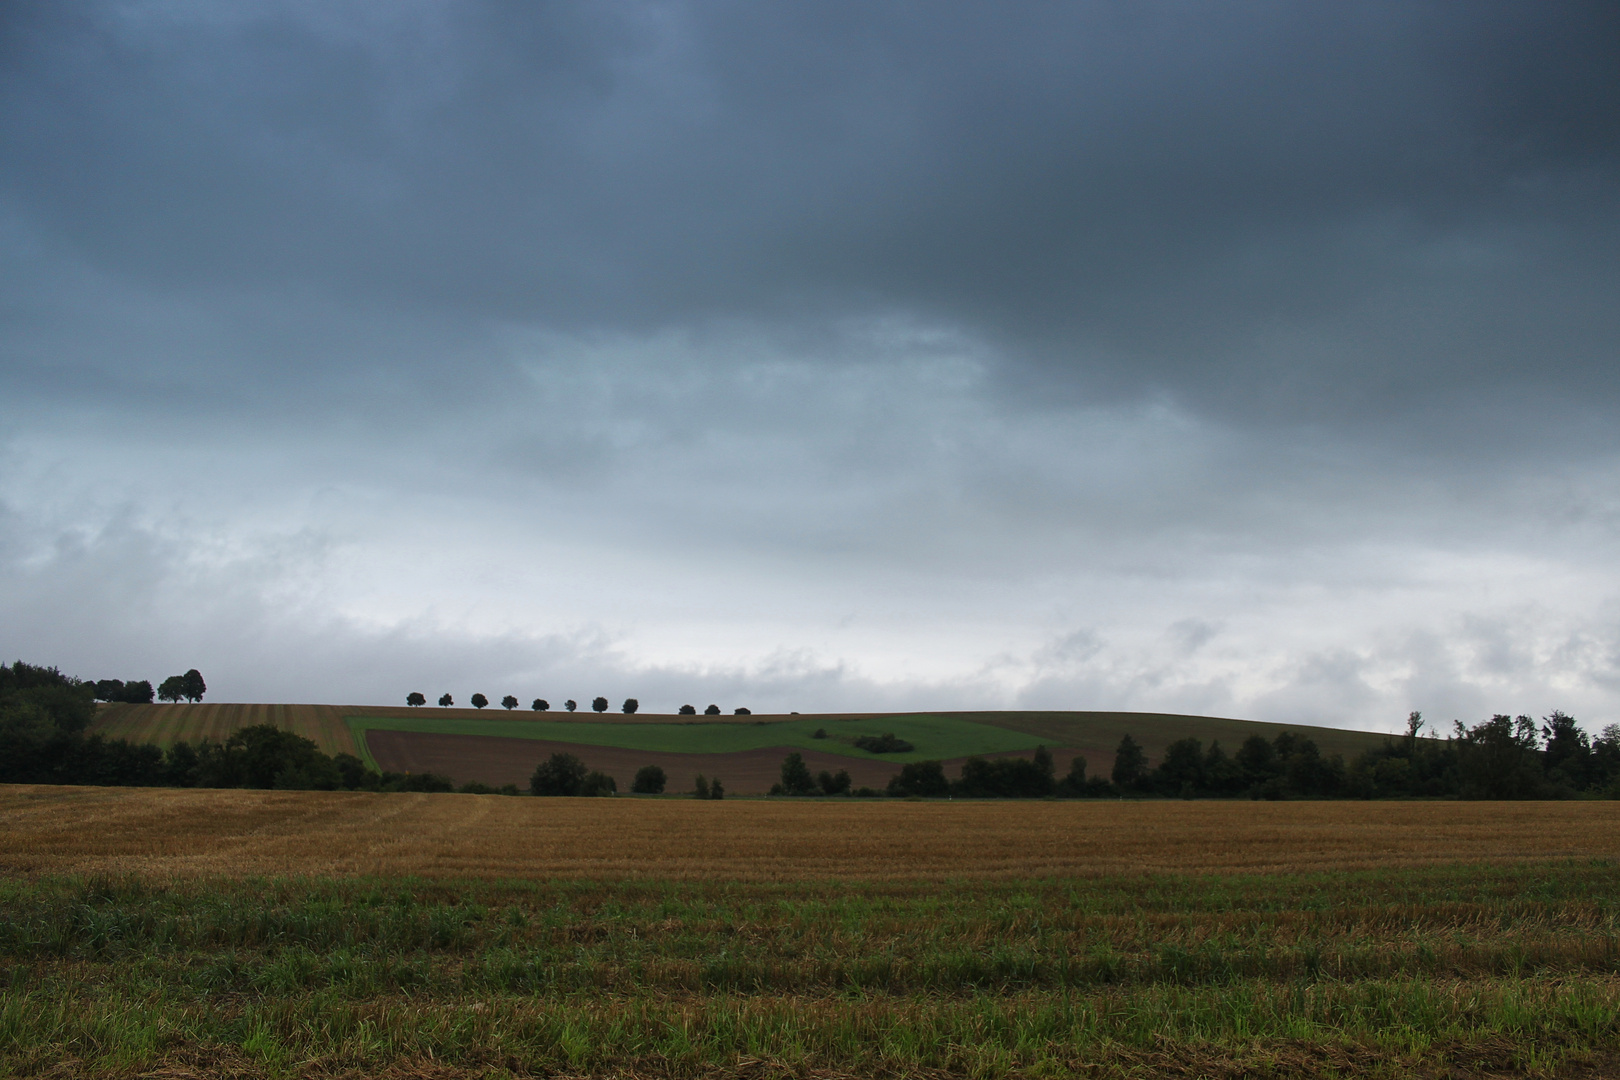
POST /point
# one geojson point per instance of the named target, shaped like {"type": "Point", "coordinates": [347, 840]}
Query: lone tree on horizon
{"type": "Point", "coordinates": [509, 702]}
{"type": "Point", "coordinates": [631, 705]}
{"type": "Point", "coordinates": [446, 700]}
{"type": "Point", "coordinates": [479, 701]}
{"type": "Point", "coordinates": [600, 704]}
{"type": "Point", "coordinates": [415, 698]}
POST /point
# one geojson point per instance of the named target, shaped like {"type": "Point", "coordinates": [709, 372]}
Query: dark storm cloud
{"type": "Point", "coordinates": [1326, 212]}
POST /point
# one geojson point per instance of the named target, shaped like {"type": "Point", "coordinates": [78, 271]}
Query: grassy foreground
{"type": "Point", "coordinates": [1455, 970]}
{"type": "Point", "coordinates": [163, 932]}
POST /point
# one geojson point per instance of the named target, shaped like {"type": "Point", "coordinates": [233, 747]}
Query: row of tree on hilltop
{"type": "Point", "coordinates": [416, 698]}
{"type": "Point", "coordinates": [187, 687]}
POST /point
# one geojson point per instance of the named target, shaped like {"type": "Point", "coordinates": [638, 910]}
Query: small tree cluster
{"type": "Point", "coordinates": [188, 687]}
{"type": "Point", "coordinates": [567, 775]}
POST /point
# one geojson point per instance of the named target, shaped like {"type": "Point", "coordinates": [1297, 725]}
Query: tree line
{"type": "Point", "coordinates": [1505, 757]}
{"type": "Point", "coordinates": [630, 706]}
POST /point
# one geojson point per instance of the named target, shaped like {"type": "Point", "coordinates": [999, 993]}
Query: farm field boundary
{"type": "Point", "coordinates": [177, 833]}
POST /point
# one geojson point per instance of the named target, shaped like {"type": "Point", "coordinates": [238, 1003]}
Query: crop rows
{"type": "Point", "coordinates": [1391, 973]}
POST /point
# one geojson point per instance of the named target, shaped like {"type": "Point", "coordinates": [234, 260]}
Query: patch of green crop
{"type": "Point", "coordinates": [1393, 973]}
{"type": "Point", "coordinates": [933, 737]}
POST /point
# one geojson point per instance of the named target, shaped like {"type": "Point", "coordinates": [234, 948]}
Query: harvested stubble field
{"type": "Point", "coordinates": [184, 933]}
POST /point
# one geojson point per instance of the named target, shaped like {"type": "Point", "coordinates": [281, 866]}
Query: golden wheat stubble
{"type": "Point", "coordinates": [173, 832]}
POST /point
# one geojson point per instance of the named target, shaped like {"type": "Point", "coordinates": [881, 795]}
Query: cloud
{"type": "Point", "coordinates": [1245, 358]}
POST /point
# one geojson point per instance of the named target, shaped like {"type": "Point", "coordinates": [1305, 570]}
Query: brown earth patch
{"type": "Point", "coordinates": [186, 832]}
{"type": "Point", "coordinates": [496, 760]}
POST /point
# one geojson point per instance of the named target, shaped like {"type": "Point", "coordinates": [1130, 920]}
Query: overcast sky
{"type": "Point", "coordinates": [1250, 359]}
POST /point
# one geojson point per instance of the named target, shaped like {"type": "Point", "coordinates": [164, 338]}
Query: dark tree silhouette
{"type": "Point", "coordinates": [742, 712]}
{"type": "Point", "coordinates": [192, 686]}
{"type": "Point", "coordinates": [796, 778]}
{"type": "Point", "coordinates": [540, 704]}
{"type": "Point", "coordinates": [712, 710]}
{"type": "Point", "coordinates": [561, 774]}
{"type": "Point", "coordinates": [687, 710]}
{"type": "Point", "coordinates": [479, 701]}
{"type": "Point", "coordinates": [631, 704]}
{"type": "Point", "coordinates": [509, 702]}
{"type": "Point", "coordinates": [650, 780]}
{"type": "Point", "coordinates": [415, 698]}
{"type": "Point", "coordinates": [446, 700]}
{"type": "Point", "coordinates": [570, 704]}
{"type": "Point", "coordinates": [1130, 763]}
{"type": "Point", "coordinates": [172, 689]}
{"type": "Point", "coordinates": [600, 704]}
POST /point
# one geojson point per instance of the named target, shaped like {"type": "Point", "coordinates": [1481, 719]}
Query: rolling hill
{"type": "Point", "coordinates": [496, 746]}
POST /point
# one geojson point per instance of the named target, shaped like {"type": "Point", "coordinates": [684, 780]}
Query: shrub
{"type": "Point", "coordinates": [796, 779]}
{"type": "Point", "coordinates": [884, 744]}
{"type": "Point", "coordinates": [598, 784]}
{"type": "Point", "coordinates": [820, 733]}
{"type": "Point", "coordinates": [712, 710]}
{"type": "Point", "coordinates": [742, 712]}
{"type": "Point", "coordinates": [650, 780]}
{"type": "Point", "coordinates": [700, 786]}
{"type": "Point", "coordinates": [925, 778]}
{"type": "Point", "coordinates": [561, 774]}
{"type": "Point", "coordinates": [833, 783]}
{"type": "Point", "coordinates": [716, 789]}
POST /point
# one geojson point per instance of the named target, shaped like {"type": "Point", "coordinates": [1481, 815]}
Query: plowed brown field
{"type": "Point", "coordinates": [495, 760]}
{"type": "Point", "coordinates": [182, 833]}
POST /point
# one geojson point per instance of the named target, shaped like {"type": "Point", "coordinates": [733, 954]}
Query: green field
{"type": "Point", "coordinates": [933, 736]}
{"type": "Point", "coordinates": [1447, 971]}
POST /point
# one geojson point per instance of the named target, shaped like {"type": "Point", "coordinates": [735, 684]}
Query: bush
{"type": "Point", "coordinates": [925, 778]}
{"type": "Point", "coordinates": [561, 774]}
{"type": "Point", "coordinates": [820, 733]}
{"type": "Point", "coordinates": [716, 789]}
{"type": "Point", "coordinates": [700, 786]}
{"type": "Point", "coordinates": [598, 784]}
{"type": "Point", "coordinates": [650, 780]}
{"type": "Point", "coordinates": [884, 744]}
{"type": "Point", "coordinates": [833, 783]}
{"type": "Point", "coordinates": [796, 778]}
{"type": "Point", "coordinates": [742, 712]}
{"type": "Point", "coordinates": [712, 710]}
